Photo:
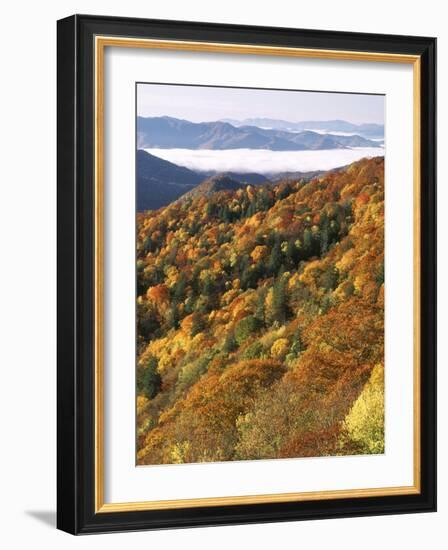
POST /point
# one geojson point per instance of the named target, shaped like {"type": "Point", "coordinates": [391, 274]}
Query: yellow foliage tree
{"type": "Point", "coordinates": [259, 253]}
{"type": "Point", "coordinates": [364, 424]}
{"type": "Point", "coordinates": [280, 348]}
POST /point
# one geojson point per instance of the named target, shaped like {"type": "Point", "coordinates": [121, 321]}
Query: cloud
{"type": "Point", "coordinates": [264, 161]}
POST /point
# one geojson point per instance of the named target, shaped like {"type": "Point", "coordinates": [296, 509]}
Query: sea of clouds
{"type": "Point", "coordinates": [264, 161]}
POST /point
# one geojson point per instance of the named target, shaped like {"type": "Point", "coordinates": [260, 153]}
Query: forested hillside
{"type": "Point", "coordinates": [260, 317]}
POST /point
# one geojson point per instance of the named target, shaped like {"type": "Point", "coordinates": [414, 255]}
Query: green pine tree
{"type": "Point", "coordinates": [149, 381]}
{"type": "Point", "coordinates": [280, 300]}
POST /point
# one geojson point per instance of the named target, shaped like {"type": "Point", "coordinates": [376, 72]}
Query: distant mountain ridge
{"type": "Point", "coordinates": [172, 133]}
{"type": "Point", "coordinates": [367, 130]}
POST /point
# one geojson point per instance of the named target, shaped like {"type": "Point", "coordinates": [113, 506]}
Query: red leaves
{"type": "Point", "coordinates": [159, 294]}
{"type": "Point", "coordinates": [313, 443]}
{"type": "Point", "coordinates": [361, 199]}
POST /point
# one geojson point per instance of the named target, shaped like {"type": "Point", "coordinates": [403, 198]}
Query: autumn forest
{"type": "Point", "coordinates": [260, 319]}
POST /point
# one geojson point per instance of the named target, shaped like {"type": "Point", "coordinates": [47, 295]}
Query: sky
{"type": "Point", "coordinates": [203, 104]}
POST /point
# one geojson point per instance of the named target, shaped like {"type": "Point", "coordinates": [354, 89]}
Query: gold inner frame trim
{"type": "Point", "coordinates": [101, 42]}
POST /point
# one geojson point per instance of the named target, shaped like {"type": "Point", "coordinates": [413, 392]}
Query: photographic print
{"type": "Point", "coordinates": [259, 274]}
{"type": "Point", "coordinates": [232, 269]}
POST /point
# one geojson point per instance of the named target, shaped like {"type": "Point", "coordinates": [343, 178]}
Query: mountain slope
{"type": "Point", "coordinates": [261, 321]}
{"type": "Point", "coordinates": [167, 133]}
{"type": "Point", "coordinates": [160, 182]}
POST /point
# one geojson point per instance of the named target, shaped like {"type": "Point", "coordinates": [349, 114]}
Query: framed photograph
{"type": "Point", "coordinates": [247, 274]}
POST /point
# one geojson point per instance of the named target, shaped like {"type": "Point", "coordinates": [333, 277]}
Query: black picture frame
{"type": "Point", "coordinates": [76, 272]}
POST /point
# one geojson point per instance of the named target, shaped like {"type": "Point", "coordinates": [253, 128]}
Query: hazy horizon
{"type": "Point", "coordinates": [211, 103]}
